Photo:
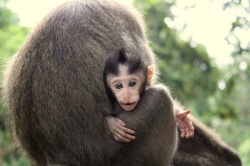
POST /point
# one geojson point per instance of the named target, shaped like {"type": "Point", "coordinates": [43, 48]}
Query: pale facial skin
{"type": "Point", "coordinates": [126, 89]}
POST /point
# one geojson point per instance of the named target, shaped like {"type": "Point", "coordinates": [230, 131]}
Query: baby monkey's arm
{"type": "Point", "coordinates": [123, 134]}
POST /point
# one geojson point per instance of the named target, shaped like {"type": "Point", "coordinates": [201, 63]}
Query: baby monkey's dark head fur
{"type": "Point", "coordinates": [134, 62]}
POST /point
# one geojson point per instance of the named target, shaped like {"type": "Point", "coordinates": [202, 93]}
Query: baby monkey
{"type": "Point", "coordinates": [126, 78]}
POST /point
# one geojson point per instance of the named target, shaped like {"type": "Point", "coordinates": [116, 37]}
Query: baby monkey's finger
{"type": "Point", "coordinates": [129, 131]}
{"type": "Point", "coordinates": [191, 126]}
{"type": "Point", "coordinates": [183, 133]}
{"type": "Point", "coordinates": [124, 137]}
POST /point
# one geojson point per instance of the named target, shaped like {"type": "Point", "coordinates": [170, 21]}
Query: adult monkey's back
{"type": "Point", "coordinates": [55, 96]}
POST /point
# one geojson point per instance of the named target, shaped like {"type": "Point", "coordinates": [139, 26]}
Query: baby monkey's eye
{"type": "Point", "coordinates": [132, 84]}
{"type": "Point", "coordinates": [118, 86]}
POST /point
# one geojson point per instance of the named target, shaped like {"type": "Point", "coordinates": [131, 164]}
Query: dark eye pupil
{"type": "Point", "coordinates": [131, 84]}
{"type": "Point", "coordinates": [118, 86]}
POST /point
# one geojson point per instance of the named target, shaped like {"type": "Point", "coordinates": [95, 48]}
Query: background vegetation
{"type": "Point", "coordinates": [188, 70]}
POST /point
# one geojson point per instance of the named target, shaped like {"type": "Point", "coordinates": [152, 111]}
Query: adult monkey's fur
{"type": "Point", "coordinates": [56, 100]}
{"type": "Point", "coordinates": [204, 149]}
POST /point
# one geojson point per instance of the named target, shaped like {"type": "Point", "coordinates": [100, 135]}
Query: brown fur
{"type": "Point", "coordinates": [56, 99]}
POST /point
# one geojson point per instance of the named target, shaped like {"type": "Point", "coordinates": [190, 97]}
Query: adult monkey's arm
{"type": "Point", "coordinates": [154, 122]}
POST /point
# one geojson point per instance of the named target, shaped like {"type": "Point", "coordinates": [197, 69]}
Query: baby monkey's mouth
{"type": "Point", "coordinates": [129, 103]}
{"type": "Point", "coordinates": [128, 106]}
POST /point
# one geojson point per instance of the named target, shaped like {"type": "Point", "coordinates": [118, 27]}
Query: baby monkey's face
{"type": "Point", "coordinates": [126, 88]}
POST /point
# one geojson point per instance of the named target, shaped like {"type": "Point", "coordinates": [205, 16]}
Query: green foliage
{"type": "Point", "coordinates": [186, 69]}
{"type": "Point", "coordinates": [7, 18]}
{"type": "Point", "coordinates": [14, 158]}
{"type": "Point", "coordinates": [11, 38]}
{"type": "Point", "coordinates": [244, 150]}
{"type": "Point", "coordinates": [241, 24]}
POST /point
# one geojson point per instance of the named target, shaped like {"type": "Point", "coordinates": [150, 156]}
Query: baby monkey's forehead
{"type": "Point", "coordinates": [123, 70]}
{"type": "Point", "coordinates": [125, 78]}
{"type": "Point", "coordinates": [123, 75]}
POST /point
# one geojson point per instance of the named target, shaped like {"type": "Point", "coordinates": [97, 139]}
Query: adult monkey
{"type": "Point", "coordinates": [56, 99]}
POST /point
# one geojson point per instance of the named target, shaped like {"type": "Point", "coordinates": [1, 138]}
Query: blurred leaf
{"type": "Point", "coordinates": [11, 38]}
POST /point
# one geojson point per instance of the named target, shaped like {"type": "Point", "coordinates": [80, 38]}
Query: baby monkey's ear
{"type": "Point", "coordinates": [150, 74]}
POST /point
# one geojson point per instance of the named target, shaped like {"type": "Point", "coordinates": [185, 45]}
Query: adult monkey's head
{"type": "Point", "coordinates": [125, 77]}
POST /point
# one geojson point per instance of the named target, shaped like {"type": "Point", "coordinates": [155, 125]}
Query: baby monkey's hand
{"type": "Point", "coordinates": [119, 130]}
{"type": "Point", "coordinates": [185, 125]}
